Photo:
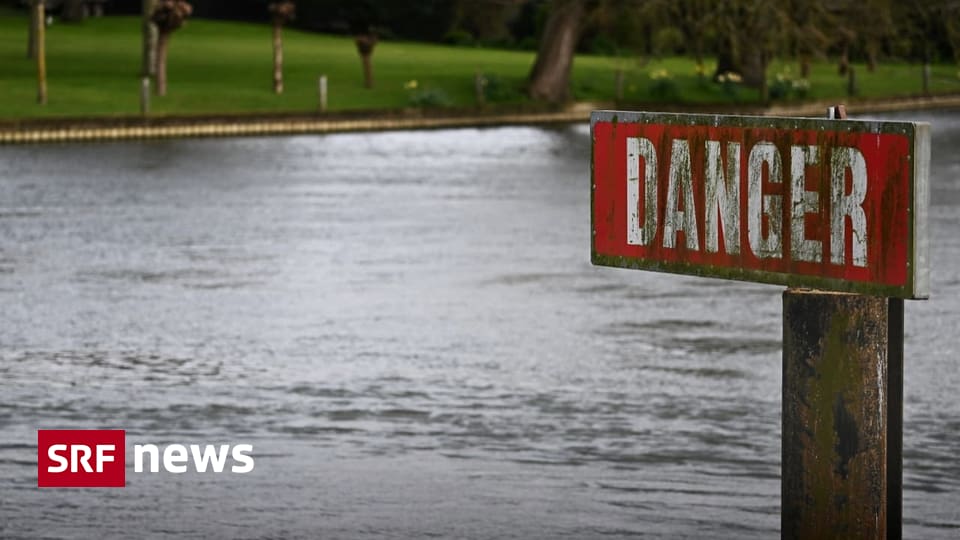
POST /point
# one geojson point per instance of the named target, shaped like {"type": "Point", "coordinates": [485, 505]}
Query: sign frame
{"type": "Point", "coordinates": [917, 284]}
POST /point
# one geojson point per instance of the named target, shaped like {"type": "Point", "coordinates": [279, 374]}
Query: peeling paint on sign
{"type": "Point", "coordinates": [835, 205]}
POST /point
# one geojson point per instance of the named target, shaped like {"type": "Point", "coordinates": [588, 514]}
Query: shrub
{"type": "Point", "coordinates": [730, 84]}
{"type": "Point", "coordinates": [496, 89]}
{"type": "Point", "coordinates": [428, 97]}
{"type": "Point", "coordinates": [662, 85]}
{"type": "Point", "coordinates": [459, 37]}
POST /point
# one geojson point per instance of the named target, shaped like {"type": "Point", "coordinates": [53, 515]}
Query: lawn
{"type": "Point", "coordinates": [225, 67]}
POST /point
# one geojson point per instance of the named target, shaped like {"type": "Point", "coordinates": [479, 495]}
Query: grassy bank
{"type": "Point", "coordinates": [221, 67]}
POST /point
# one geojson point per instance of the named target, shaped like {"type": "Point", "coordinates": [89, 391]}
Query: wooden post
{"type": "Point", "coordinates": [842, 414]}
{"type": "Point", "coordinates": [40, 49]}
{"type": "Point", "coordinates": [148, 59]}
{"type": "Point", "coordinates": [322, 90]}
{"type": "Point", "coordinates": [145, 95]}
{"type": "Point", "coordinates": [277, 56]}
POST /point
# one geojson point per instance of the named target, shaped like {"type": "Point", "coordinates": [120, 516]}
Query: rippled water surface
{"type": "Point", "coordinates": [407, 328]}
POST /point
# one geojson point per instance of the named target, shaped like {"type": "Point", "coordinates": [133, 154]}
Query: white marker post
{"type": "Point", "coordinates": [145, 95]}
{"type": "Point", "coordinates": [322, 91]}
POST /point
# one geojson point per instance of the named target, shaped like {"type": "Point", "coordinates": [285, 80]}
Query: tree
{"type": "Point", "coordinates": [873, 23]}
{"type": "Point", "coordinates": [365, 44]}
{"type": "Point", "coordinates": [149, 53]}
{"type": "Point", "coordinates": [692, 18]}
{"type": "Point", "coordinates": [362, 16]}
{"type": "Point", "coordinates": [282, 13]}
{"type": "Point", "coordinates": [749, 32]}
{"type": "Point", "coordinates": [39, 19]}
{"type": "Point", "coordinates": [811, 30]}
{"type": "Point", "coordinates": [169, 15]}
{"type": "Point", "coordinates": [549, 78]}
{"type": "Point", "coordinates": [38, 46]}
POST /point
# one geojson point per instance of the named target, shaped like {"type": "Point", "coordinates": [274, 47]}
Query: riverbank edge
{"type": "Point", "coordinates": [51, 130]}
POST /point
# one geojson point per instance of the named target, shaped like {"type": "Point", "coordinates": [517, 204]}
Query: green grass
{"type": "Point", "coordinates": [224, 67]}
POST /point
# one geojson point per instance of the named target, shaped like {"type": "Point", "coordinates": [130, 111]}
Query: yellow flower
{"type": "Point", "coordinates": [410, 85]}
{"type": "Point", "coordinates": [660, 74]}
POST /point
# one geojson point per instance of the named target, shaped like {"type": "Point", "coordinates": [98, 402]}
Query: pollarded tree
{"type": "Point", "coordinates": [363, 16]}
{"type": "Point", "coordinates": [282, 13]}
{"type": "Point", "coordinates": [148, 54]}
{"type": "Point", "coordinates": [365, 42]}
{"type": "Point", "coordinates": [38, 24]}
{"type": "Point", "coordinates": [169, 16]}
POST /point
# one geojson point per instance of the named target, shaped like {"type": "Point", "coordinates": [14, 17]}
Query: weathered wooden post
{"type": "Point", "coordinates": [322, 91]}
{"type": "Point", "coordinates": [40, 49]}
{"type": "Point", "coordinates": [145, 95]}
{"type": "Point", "coordinates": [835, 210]}
{"type": "Point", "coordinates": [842, 471]}
{"type": "Point", "coordinates": [148, 53]}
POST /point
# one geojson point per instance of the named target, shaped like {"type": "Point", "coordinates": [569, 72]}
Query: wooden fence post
{"type": "Point", "coordinates": [40, 49]}
{"type": "Point", "coordinates": [322, 91]}
{"type": "Point", "coordinates": [145, 95]}
{"type": "Point", "coordinates": [842, 414]}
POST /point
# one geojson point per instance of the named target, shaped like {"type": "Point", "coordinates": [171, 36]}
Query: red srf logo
{"type": "Point", "coordinates": [81, 458]}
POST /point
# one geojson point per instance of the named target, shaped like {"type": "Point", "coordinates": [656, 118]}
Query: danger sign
{"type": "Point", "coordinates": [837, 205]}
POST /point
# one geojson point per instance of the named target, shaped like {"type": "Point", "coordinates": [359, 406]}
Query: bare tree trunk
{"type": "Point", "coordinates": [844, 60]}
{"type": "Point", "coordinates": [277, 58]}
{"type": "Point", "coordinates": [550, 77]}
{"type": "Point", "coordinates": [871, 58]}
{"type": "Point", "coordinates": [39, 28]}
{"type": "Point", "coordinates": [367, 71]}
{"type": "Point", "coordinates": [804, 66]}
{"type": "Point", "coordinates": [365, 44]}
{"type": "Point", "coordinates": [753, 68]}
{"type": "Point", "coordinates": [726, 62]}
{"type": "Point", "coordinates": [163, 43]}
{"type": "Point", "coordinates": [149, 53]}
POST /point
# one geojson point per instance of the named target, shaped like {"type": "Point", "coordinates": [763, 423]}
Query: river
{"type": "Point", "coordinates": [407, 328]}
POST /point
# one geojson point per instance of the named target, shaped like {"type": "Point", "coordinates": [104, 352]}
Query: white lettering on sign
{"type": "Point", "coordinates": [764, 155]}
{"type": "Point", "coordinates": [804, 202]}
{"type": "Point", "coordinates": [843, 205]}
{"type": "Point", "coordinates": [681, 177]}
{"type": "Point", "coordinates": [638, 148]}
{"type": "Point", "coordinates": [722, 199]}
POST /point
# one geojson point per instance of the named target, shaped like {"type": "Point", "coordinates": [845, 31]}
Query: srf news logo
{"type": "Point", "coordinates": [97, 458]}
